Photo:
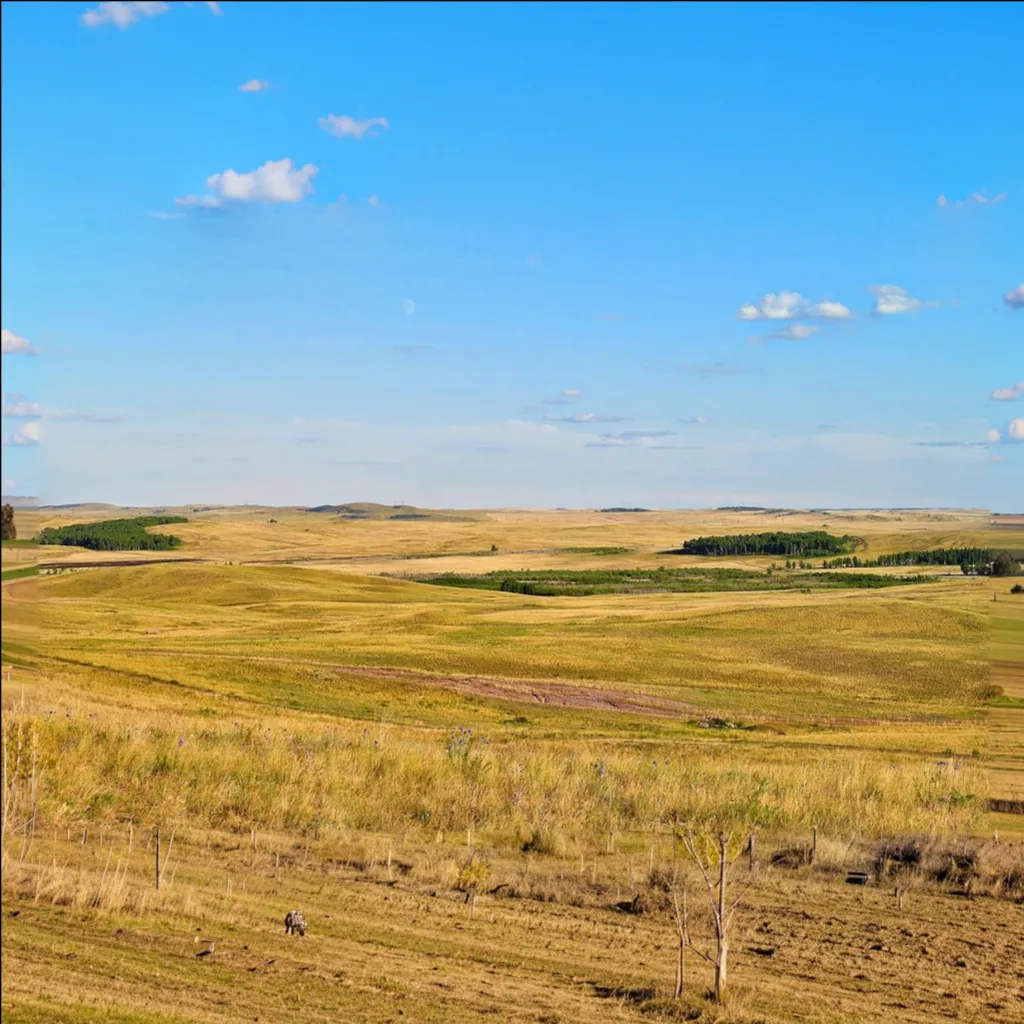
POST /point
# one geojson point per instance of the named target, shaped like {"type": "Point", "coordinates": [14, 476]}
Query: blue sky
{"type": "Point", "coordinates": [514, 254]}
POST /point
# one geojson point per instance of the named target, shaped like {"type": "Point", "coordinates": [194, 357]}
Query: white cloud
{"type": "Point", "coordinates": [162, 215]}
{"type": "Point", "coordinates": [694, 420]}
{"type": "Point", "coordinates": [1015, 429]}
{"type": "Point", "coordinates": [373, 200]}
{"type": "Point", "coordinates": [586, 417]}
{"type": "Point", "coordinates": [792, 332]}
{"type": "Point", "coordinates": [408, 307]}
{"type": "Point", "coordinates": [254, 85]}
{"type": "Point", "coordinates": [122, 14]}
{"type": "Point", "coordinates": [15, 407]}
{"type": "Point", "coordinates": [341, 125]}
{"type": "Point", "coordinates": [12, 344]}
{"type": "Point", "coordinates": [277, 181]}
{"type": "Point", "coordinates": [204, 202]}
{"type": "Point", "coordinates": [1010, 394]}
{"type": "Point", "coordinates": [572, 393]}
{"type": "Point", "coordinates": [791, 306]}
{"type": "Point", "coordinates": [974, 199]}
{"type": "Point", "coordinates": [994, 436]}
{"type": "Point", "coordinates": [1014, 298]}
{"type": "Point", "coordinates": [26, 436]}
{"type": "Point", "coordinates": [891, 300]}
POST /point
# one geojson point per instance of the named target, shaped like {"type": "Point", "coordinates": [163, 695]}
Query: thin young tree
{"type": "Point", "coordinates": [712, 858]}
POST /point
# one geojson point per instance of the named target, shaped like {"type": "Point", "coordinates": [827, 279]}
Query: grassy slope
{"type": "Point", "coordinates": [163, 652]}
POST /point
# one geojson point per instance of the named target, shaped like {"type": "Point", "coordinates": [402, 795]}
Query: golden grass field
{"type": "Point", "coordinates": [316, 734]}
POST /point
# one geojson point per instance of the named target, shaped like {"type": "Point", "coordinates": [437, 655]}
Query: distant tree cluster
{"type": "Point", "coordinates": [972, 561]}
{"type": "Point", "coordinates": [10, 531]}
{"type": "Point", "coordinates": [115, 534]}
{"type": "Point", "coordinates": [809, 544]}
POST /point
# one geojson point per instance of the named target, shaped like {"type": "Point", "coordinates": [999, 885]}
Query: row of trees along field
{"type": "Point", "coordinates": [972, 561]}
{"type": "Point", "coordinates": [115, 534]}
{"type": "Point", "coordinates": [807, 544]}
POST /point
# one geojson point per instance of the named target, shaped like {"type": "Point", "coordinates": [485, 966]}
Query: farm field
{"type": "Point", "coordinates": [316, 729]}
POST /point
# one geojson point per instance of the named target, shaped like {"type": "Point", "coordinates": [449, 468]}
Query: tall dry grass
{"type": "Point", "coordinates": [74, 768]}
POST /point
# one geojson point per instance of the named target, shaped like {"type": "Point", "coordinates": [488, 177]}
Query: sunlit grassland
{"type": "Point", "coordinates": [334, 740]}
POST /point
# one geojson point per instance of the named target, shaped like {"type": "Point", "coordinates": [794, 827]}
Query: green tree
{"type": "Point", "coordinates": [10, 531]}
{"type": "Point", "coordinates": [1004, 564]}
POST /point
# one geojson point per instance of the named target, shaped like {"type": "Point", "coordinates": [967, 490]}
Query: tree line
{"type": "Point", "coordinates": [972, 561]}
{"type": "Point", "coordinates": [115, 534]}
{"type": "Point", "coordinates": [807, 544]}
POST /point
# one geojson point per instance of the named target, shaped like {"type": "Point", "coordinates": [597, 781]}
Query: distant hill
{"type": "Point", "coordinates": [373, 510]}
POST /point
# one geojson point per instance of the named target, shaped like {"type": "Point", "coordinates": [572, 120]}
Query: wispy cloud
{"type": "Point", "coordinates": [342, 126]}
{"type": "Point", "coordinates": [1010, 394]}
{"type": "Point", "coordinates": [587, 417]}
{"type": "Point", "coordinates": [277, 181]}
{"type": "Point", "coordinates": [164, 215]}
{"type": "Point", "coordinates": [13, 344]}
{"type": "Point", "coordinates": [254, 85]}
{"type": "Point", "coordinates": [16, 408]}
{"type": "Point", "coordinates": [952, 444]}
{"type": "Point", "coordinates": [123, 14]}
{"type": "Point", "coordinates": [534, 261]}
{"type": "Point", "coordinates": [792, 306]}
{"type": "Point", "coordinates": [26, 436]}
{"type": "Point", "coordinates": [1014, 298]}
{"type": "Point", "coordinates": [408, 307]}
{"type": "Point", "coordinates": [564, 397]}
{"type": "Point", "coordinates": [373, 200]}
{"type": "Point", "coordinates": [892, 300]}
{"type": "Point", "coordinates": [717, 369]}
{"type": "Point", "coordinates": [974, 199]}
{"type": "Point", "coordinates": [694, 420]}
{"type": "Point", "coordinates": [792, 332]}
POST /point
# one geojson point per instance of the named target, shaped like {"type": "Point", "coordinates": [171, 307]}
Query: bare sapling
{"type": "Point", "coordinates": [683, 929]}
{"type": "Point", "coordinates": [712, 857]}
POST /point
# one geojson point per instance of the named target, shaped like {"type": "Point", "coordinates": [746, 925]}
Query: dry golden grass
{"type": "Point", "coordinates": [305, 734]}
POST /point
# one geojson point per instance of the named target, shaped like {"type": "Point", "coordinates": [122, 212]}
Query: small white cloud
{"type": "Point", "coordinates": [974, 199]}
{"type": "Point", "coordinates": [1010, 394]}
{"type": "Point", "coordinates": [891, 300]}
{"type": "Point", "coordinates": [994, 436]}
{"type": "Point", "coordinates": [12, 344]}
{"type": "Point", "coordinates": [408, 307]}
{"type": "Point", "coordinates": [795, 332]}
{"type": "Point", "coordinates": [203, 202]}
{"type": "Point", "coordinates": [791, 306]}
{"type": "Point", "coordinates": [254, 85]}
{"type": "Point", "coordinates": [373, 201]}
{"type": "Point", "coordinates": [694, 420]}
{"type": "Point", "coordinates": [1014, 298]}
{"type": "Point", "coordinates": [586, 417]}
{"type": "Point", "coordinates": [572, 393]}
{"type": "Point", "coordinates": [163, 215]}
{"type": "Point", "coordinates": [122, 14]}
{"type": "Point", "coordinates": [342, 126]}
{"type": "Point", "coordinates": [277, 181]}
{"type": "Point", "coordinates": [15, 408]}
{"type": "Point", "coordinates": [1015, 429]}
{"type": "Point", "coordinates": [26, 436]}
